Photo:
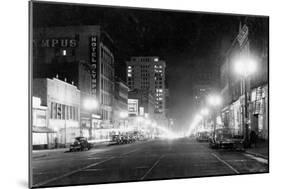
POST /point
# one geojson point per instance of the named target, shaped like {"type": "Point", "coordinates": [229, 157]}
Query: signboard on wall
{"type": "Point", "coordinates": [133, 106]}
{"type": "Point", "coordinates": [94, 64]}
{"type": "Point", "coordinates": [58, 43]}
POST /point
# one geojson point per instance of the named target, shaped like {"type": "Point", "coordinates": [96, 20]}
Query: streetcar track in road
{"type": "Point", "coordinates": [224, 162]}
{"type": "Point", "coordinates": [71, 173]}
{"type": "Point", "coordinates": [95, 158]}
{"type": "Point", "coordinates": [127, 153]}
{"type": "Point", "coordinates": [143, 167]}
{"type": "Point", "coordinates": [154, 165]}
{"type": "Point", "coordinates": [87, 168]}
{"type": "Point", "coordinates": [92, 170]}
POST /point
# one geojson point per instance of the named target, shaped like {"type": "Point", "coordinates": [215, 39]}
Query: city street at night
{"type": "Point", "coordinates": [117, 96]}
{"type": "Point", "coordinates": [146, 160]}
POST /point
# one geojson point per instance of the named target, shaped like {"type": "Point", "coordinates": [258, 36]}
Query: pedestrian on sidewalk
{"type": "Point", "coordinates": [56, 142]}
{"type": "Point", "coordinates": [253, 139]}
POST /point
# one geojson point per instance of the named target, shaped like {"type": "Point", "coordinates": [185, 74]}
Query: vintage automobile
{"type": "Point", "coordinates": [80, 144]}
{"type": "Point", "coordinates": [202, 136]}
{"type": "Point", "coordinates": [224, 138]}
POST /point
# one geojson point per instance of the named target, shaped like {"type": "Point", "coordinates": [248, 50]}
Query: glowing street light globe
{"type": "Point", "coordinates": [245, 66]}
{"type": "Point", "coordinates": [214, 100]}
{"type": "Point", "coordinates": [140, 119]}
{"type": "Point", "coordinates": [90, 104]}
{"type": "Point", "coordinates": [123, 114]}
{"type": "Point", "coordinates": [197, 118]}
{"type": "Point", "coordinates": [204, 112]}
{"type": "Point", "coordinates": [148, 122]}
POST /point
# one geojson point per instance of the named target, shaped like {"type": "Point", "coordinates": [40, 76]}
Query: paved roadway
{"type": "Point", "coordinates": [158, 159]}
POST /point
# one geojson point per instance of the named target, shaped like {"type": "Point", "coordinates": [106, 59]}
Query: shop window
{"type": "Point", "coordinates": [59, 109]}
{"type": "Point", "coordinates": [63, 111]}
{"type": "Point", "coordinates": [53, 110]}
{"type": "Point", "coordinates": [70, 113]}
{"type": "Point", "coordinates": [66, 112]}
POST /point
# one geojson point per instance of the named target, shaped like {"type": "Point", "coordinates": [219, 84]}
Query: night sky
{"type": "Point", "coordinates": [187, 41]}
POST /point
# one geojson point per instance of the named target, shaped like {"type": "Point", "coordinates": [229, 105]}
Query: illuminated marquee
{"type": "Point", "coordinates": [94, 63]}
{"type": "Point", "coordinates": [133, 106]}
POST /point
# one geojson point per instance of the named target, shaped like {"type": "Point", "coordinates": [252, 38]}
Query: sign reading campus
{"type": "Point", "coordinates": [58, 43]}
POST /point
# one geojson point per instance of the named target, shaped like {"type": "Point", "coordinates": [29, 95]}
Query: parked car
{"type": "Point", "coordinates": [223, 138]}
{"type": "Point", "coordinates": [117, 139]}
{"type": "Point", "coordinates": [80, 144]}
{"type": "Point", "coordinates": [202, 137]}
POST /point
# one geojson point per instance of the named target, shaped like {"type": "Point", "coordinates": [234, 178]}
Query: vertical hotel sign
{"type": "Point", "coordinates": [94, 64]}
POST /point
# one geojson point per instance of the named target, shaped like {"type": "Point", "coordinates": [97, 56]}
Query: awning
{"type": "Point", "coordinates": [42, 130]}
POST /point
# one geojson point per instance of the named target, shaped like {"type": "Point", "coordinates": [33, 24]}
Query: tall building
{"type": "Point", "coordinates": [120, 108]}
{"type": "Point", "coordinates": [148, 73]}
{"type": "Point", "coordinates": [84, 55]}
{"type": "Point", "coordinates": [200, 93]}
{"type": "Point", "coordinates": [145, 101]}
{"type": "Point", "coordinates": [204, 82]}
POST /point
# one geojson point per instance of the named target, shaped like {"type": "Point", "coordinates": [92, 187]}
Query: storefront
{"type": "Point", "coordinates": [259, 111]}
{"type": "Point", "coordinates": [40, 131]}
{"type": "Point", "coordinates": [236, 117]}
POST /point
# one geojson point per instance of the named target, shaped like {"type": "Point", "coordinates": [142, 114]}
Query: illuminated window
{"type": "Point", "coordinates": [156, 59]}
{"type": "Point", "coordinates": [64, 52]}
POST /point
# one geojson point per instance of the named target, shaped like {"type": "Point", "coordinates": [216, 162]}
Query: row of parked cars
{"type": "Point", "coordinates": [222, 138]}
{"type": "Point", "coordinates": [82, 143]}
{"type": "Point", "coordinates": [126, 138]}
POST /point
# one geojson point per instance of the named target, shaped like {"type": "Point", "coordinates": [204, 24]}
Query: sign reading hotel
{"type": "Point", "coordinates": [94, 63]}
{"type": "Point", "coordinates": [133, 106]}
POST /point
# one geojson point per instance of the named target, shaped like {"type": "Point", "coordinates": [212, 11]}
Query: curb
{"type": "Point", "coordinates": [257, 154]}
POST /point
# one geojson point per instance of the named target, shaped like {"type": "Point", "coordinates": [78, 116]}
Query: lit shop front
{"type": "Point", "coordinates": [259, 111]}
{"type": "Point", "coordinates": [40, 130]}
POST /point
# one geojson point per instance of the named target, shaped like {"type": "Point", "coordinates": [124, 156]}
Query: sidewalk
{"type": "Point", "coordinates": [47, 152]}
{"type": "Point", "coordinates": [260, 150]}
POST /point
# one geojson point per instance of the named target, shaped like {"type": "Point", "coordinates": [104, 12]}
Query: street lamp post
{"type": "Point", "coordinates": [245, 66]}
{"type": "Point", "coordinates": [204, 112]}
{"type": "Point", "coordinates": [123, 115]}
{"type": "Point", "coordinates": [214, 101]}
{"type": "Point", "coordinates": [90, 104]}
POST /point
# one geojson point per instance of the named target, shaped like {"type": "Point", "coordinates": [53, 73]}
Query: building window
{"type": "Point", "coordinates": [63, 111]}
{"type": "Point", "coordinates": [67, 112]}
{"type": "Point", "coordinates": [53, 110]}
{"type": "Point", "coordinates": [63, 52]}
